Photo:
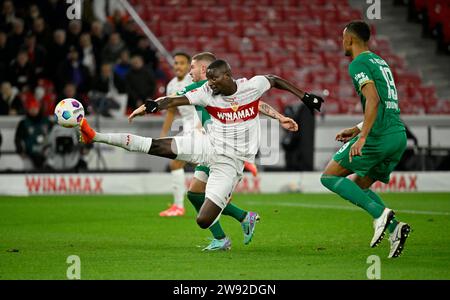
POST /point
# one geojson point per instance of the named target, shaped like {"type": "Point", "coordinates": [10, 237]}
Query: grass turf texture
{"type": "Point", "coordinates": [300, 236]}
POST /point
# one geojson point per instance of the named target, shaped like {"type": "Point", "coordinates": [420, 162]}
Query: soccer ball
{"type": "Point", "coordinates": [69, 112]}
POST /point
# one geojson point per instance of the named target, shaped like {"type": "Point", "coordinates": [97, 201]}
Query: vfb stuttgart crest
{"type": "Point", "coordinates": [234, 105]}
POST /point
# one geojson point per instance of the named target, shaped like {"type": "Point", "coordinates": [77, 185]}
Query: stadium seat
{"type": "Point", "coordinates": [212, 44]}
{"type": "Point", "coordinates": [228, 29]}
{"type": "Point", "coordinates": [188, 14]}
{"type": "Point", "coordinates": [200, 29]}
{"type": "Point", "coordinates": [283, 29]}
{"type": "Point", "coordinates": [242, 13]}
{"type": "Point", "coordinates": [307, 59]}
{"type": "Point", "coordinates": [269, 14]}
{"type": "Point", "coordinates": [173, 29]}
{"type": "Point", "coordinates": [215, 14]}
{"type": "Point", "coordinates": [238, 44]}
{"type": "Point", "coordinates": [296, 44]}
{"type": "Point", "coordinates": [282, 59]}
{"type": "Point", "coordinates": [188, 44]}
{"type": "Point", "coordinates": [311, 30]}
{"type": "Point", "coordinates": [250, 29]}
{"type": "Point", "coordinates": [254, 60]}
{"type": "Point", "coordinates": [232, 58]}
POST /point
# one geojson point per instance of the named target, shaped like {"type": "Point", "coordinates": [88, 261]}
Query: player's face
{"type": "Point", "coordinates": [217, 80]}
{"type": "Point", "coordinates": [347, 43]}
{"type": "Point", "coordinates": [181, 66]}
{"type": "Point", "coordinates": [196, 71]}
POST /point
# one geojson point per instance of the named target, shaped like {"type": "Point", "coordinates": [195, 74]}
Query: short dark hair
{"type": "Point", "coordinates": [360, 28]}
{"type": "Point", "coordinates": [188, 57]}
{"type": "Point", "coordinates": [219, 64]}
{"type": "Point", "coordinates": [204, 56]}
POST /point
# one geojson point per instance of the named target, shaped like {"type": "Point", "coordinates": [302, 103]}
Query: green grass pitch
{"type": "Point", "coordinates": [300, 236]}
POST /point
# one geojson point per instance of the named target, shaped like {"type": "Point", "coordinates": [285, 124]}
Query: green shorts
{"type": "Point", "coordinates": [379, 157]}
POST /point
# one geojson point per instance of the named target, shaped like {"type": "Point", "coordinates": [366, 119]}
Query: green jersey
{"type": "Point", "coordinates": [369, 67]}
{"type": "Point", "coordinates": [201, 111]}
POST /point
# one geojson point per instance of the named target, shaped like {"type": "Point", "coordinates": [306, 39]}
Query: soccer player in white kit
{"type": "Point", "coordinates": [182, 62]}
{"type": "Point", "coordinates": [232, 139]}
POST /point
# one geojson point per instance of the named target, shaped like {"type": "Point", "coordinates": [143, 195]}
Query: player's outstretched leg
{"type": "Point", "coordinates": [159, 147]}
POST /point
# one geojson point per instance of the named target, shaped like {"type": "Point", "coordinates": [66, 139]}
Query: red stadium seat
{"type": "Point", "coordinates": [228, 28]}
{"type": "Point", "coordinates": [200, 29]}
{"type": "Point", "coordinates": [266, 44]}
{"type": "Point", "coordinates": [239, 45]}
{"type": "Point", "coordinates": [296, 44]}
{"type": "Point", "coordinates": [254, 60]}
{"type": "Point", "coordinates": [215, 14]}
{"type": "Point", "coordinates": [306, 59]}
{"type": "Point", "coordinates": [212, 44]}
{"type": "Point", "coordinates": [269, 14]}
{"type": "Point", "coordinates": [254, 29]}
{"type": "Point", "coordinates": [172, 29]}
{"type": "Point", "coordinates": [232, 58]}
{"type": "Point", "coordinates": [188, 44]}
{"type": "Point", "coordinates": [283, 28]}
{"type": "Point", "coordinates": [309, 30]}
{"type": "Point", "coordinates": [284, 60]}
{"type": "Point", "coordinates": [159, 13]}
{"type": "Point", "coordinates": [242, 13]}
{"type": "Point", "coordinates": [188, 14]}
{"type": "Point", "coordinates": [294, 13]}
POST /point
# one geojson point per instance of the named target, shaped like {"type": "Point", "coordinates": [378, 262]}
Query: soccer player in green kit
{"type": "Point", "coordinates": [375, 146]}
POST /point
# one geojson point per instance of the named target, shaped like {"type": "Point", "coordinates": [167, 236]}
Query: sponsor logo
{"type": "Point", "coordinates": [63, 184]}
{"type": "Point", "coordinates": [397, 183]}
{"type": "Point", "coordinates": [234, 114]}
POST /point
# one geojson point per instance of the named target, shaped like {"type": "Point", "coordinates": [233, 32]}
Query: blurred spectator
{"type": "Point", "coordinates": [17, 38]}
{"type": "Point", "coordinates": [45, 94]}
{"type": "Point", "coordinates": [70, 91]}
{"type": "Point", "coordinates": [63, 151]}
{"type": "Point", "coordinates": [89, 57]}
{"type": "Point", "coordinates": [31, 136]}
{"type": "Point", "coordinates": [10, 103]}
{"type": "Point", "coordinates": [117, 20]}
{"type": "Point", "coordinates": [104, 8]}
{"type": "Point", "coordinates": [113, 48]}
{"type": "Point", "coordinates": [129, 34]}
{"type": "Point", "coordinates": [106, 91]}
{"type": "Point", "coordinates": [54, 12]}
{"type": "Point", "coordinates": [98, 36]}
{"type": "Point", "coordinates": [147, 53]}
{"type": "Point", "coordinates": [32, 14]}
{"type": "Point", "coordinates": [140, 83]}
{"type": "Point", "coordinates": [74, 32]}
{"type": "Point", "coordinates": [43, 35]}
{"type": "Point", "coordinates": [21, 73]}
{"type": "Point", "coordinates": [71, 70]}
{"type": "Point", "coordinates": [36, 54]}
{"type": "Point", "coordinates": [57, 51]}
{"type": "Point", "coordinates": [123, 64]}
{"type": "Point", "coordinates": [5, 55]}
{"type": "Point", "coordinates": [8, 16]}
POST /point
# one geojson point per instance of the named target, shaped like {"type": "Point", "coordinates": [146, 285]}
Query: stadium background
{"type": "Point", "coordinates": [45, 57]}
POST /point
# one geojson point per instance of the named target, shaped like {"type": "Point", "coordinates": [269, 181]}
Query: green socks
{"type": "Point", "coordinates": [197, 200]}
{"type": "Point", "coordinates": [349, 190]}
{"type": "Point", "coordinates": [377, 199]}
{"type": "Point", "coordinates": [235, 212]}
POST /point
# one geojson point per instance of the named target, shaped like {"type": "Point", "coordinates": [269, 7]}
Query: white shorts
{"type": "Point", "coordinates": [224, 172]}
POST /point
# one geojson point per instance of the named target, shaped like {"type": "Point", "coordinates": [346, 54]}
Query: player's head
{"type": "Point", "coordinates": [356, 33]}
{"type": "Point", "coordinates": [219, 76]}
{"type": "Point", "coordinates": [199, 64]}
{"type": "Point", "coordinates": [181, 64]}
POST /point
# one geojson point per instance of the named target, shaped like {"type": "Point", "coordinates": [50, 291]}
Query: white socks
{"type": "Point", "coordinates": [126, 141]}
{"type": "Point", "coordinates": [178, 187]}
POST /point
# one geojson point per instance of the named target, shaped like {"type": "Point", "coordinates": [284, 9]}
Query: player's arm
{"type": "Point", "coordinates": [370, 115]}
{"type": "Point", "coordinates": [311, 101]}
{"type": "Point", "coordinates": [162, 103]}
{"type": "Point", "coordinates": [285, 122]}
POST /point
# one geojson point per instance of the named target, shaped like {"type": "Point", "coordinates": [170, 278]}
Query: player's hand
{"type": "Point", "coordinates": [347, 134]}
{"type": "Point", "coordinates": [140, 111]}
{"type": "Point", "coordinates": [313, 102]}
{"type": "Point", "coordinates": [289, 124]}
{"type": "Point", "coordinates": [356, 149]}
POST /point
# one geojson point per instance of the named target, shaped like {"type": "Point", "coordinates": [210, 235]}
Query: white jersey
{"type": "Point", "coordinates": [187, 112]}
{"type": "Point", "coordinates": [235, 129]}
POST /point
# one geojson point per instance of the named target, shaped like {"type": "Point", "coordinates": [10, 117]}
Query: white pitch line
{"type": "Point", "coordinates": [339, 207]}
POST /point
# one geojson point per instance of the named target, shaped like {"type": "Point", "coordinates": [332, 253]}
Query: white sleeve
{"type": "Point", "coordinates": [261, 84]}
{"type": "Point", "coordinates": [199, 96]}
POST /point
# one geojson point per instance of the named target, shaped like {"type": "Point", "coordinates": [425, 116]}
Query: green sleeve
{"type": "Point", "coordinates": [360, 74]}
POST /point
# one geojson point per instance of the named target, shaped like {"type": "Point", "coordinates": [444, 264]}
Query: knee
{"type": "Point", "coordinates": [203, 222]}
{"type": "Point", "coordinates": [327, 181]}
